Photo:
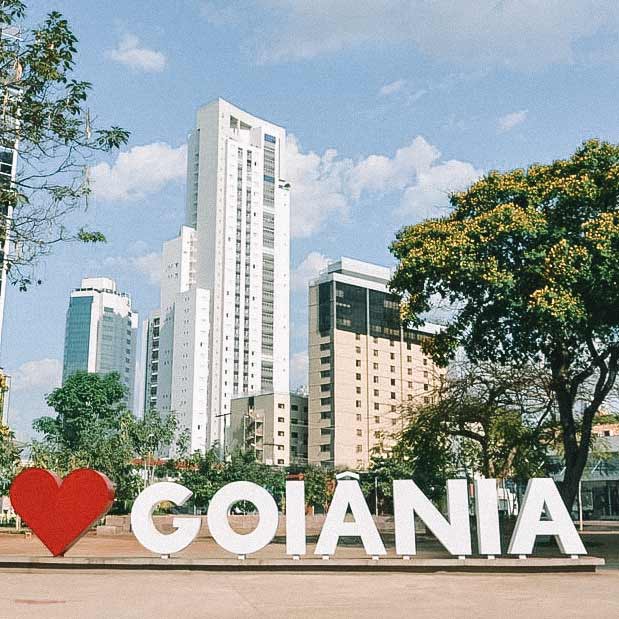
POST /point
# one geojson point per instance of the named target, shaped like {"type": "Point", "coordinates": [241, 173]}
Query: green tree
{"type": "Point", "coordinates": [92, 428]}
{"type": "Point", "coordinates": [529, 260]}
{"type": "Point", "coordinates": [498, 420]}
{"type": "Point", "coordinates": [46, 117]}
{"type": "Point", "coordinates": [203, 474]}
{"type": "Point", "coordinates": [319, 486]}
{"type": "Point", "coordinates": [150, 436]}
{"type": "Point", "coordinates": [9, 459]}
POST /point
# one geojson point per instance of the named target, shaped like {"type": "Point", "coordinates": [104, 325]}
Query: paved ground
{"type": "Point", "coordinates": [106, 593]}
{"type": "Point", "coordinates": [197, 594]}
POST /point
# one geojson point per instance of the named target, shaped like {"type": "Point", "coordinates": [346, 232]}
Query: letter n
{"type": "Point", "coordinates": [409, 501]}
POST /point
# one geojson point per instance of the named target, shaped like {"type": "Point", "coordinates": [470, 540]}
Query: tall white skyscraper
{"type": "Point", "coordinates": [238, 201]}
{"type": "Point", "coordinates": [101, 331]}
{"type": "Point", "coordinates": [176, 340]}
{"type": "Point", "coordinates": [231, 337]}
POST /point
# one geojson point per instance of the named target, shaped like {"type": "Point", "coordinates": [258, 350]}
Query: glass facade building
{"type": "Point", "coordinates": [101, 332]}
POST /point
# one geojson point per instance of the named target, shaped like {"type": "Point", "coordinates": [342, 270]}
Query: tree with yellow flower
{"type": "Point", "coordinates": [529, 260]}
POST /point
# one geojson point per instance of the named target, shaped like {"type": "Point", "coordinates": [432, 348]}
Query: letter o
{"type": "Point", "coordinates": [222, 532]}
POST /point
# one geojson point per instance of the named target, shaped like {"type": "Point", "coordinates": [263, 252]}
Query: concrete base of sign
{"type": "Point", "coordinates": [404, 564]}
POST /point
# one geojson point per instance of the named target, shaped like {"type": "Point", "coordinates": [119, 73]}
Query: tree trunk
{"type": "Point", "coordinates": [575, 453]}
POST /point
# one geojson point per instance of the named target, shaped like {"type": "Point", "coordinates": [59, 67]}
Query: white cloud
{"type": "Point", "coordinates": [327, 185]}
{"type": "Point", "coordinates": [308, 269]}
{"type": "Point", "coordinates": [428, 196]}
{"type": "Point", "coordinates": [40, 374]}
{"type": "Point", "coordinates": [381, 173]}
{"type": "Point", "coordinates": [131, 54]}
{"type": "Point", "coordinates": [149, 265]}
{"type": "Point", "coordinates": [318, 188]}
{"type": "Point", "coordinates": [521, 34]}
{"type": "Point", "coordinates": [137, 260]}
{"type": "Point", "coordinates": [299, 369]}
{"type": "Point", "coordinates": [139, 171]}
{"type": "Point", "coordinates": [392, 88]}
{"type": "Point", "coordinates": [31, 383]}
{"type": "Point", "coordinates": [511, 120]}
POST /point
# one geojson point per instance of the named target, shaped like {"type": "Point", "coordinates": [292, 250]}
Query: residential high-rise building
{"type": "Point", "coordinates": [176, 342]}
{"type": "Point", "coordinates": [101, 330]}
{"type": "Point", "coordinates": [238, 202]}
{"type": "Point", "coordinates": [363, 364]}
{"type": "Point", "coordinates": [272, 425]}
{"type": "Point", "coordinates": [222, 328]}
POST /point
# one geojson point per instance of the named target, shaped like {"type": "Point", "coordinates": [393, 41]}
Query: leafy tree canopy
{"type": "Point", "coordinates": [46, 118]}
{"type": "Point", "coordinates": [529, 259]}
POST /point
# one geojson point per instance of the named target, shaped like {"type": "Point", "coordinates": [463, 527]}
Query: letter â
{"type": "Point", "coordinates": [295, 518]}
{"type": "Point", "coordinates": [408, 501]}
{"type": "Point", "coordinates": [348, 494]}
{"type": "Point", "coordinates": [142, 519]}
{"type": "Point", "coordinates": [543, 492]}
{"type": "Point", "coordinates": [487, 514]}
{"type": "Point", "coordinates": [222, 532]}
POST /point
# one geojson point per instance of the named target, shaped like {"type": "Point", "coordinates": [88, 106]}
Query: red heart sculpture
{"type": "Point", "coordinates": [60, 511]}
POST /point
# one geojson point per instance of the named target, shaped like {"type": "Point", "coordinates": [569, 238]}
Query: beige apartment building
{"type": "Point", "coordinates": [363, 365]}
{"type": "Point", "coordinates": [273, 425]}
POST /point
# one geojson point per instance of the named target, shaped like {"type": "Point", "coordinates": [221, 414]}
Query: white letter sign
{"type": "Point", "coordinates": [408, 501]}
{"type": "Point", "coordinates": [348, 494]}
{"type": "Point", "coordinates": [142, 519]}
{"type": "Point", "coordinates": [222, 532]}
{"type": "Point", "coordinates": [540, 493]}
{"type": "Point", "coordinates": [487, 514]}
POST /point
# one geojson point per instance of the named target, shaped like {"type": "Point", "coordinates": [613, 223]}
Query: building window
{"type": "Point", "coordinates": [359, 448]}
{"type": "Point", "coordinates": [325, 360]}
{"type": "Point", "coordinates": [325, 346]}
{"type": "Point", "coordinates": [359, 432]}
{"type": "Point", "coordinates": [375, 379]}
{"type": "Point", "coordinates": [393, 381]}
{"type": "Point", "coordinates": [325, 415]}
{"type": "Point", "coordinates": [393, 395]}
{"type": "Point", "coordinates": [357, 336]}
{"type": "Point", "coordinates": [376, 419]}
{"type": "Point", "coordinates": [358, 389]}
{"type": "Point", "coordinates": [375, 366]}
{"type": "Point", "coordinates": [392, 368]}
{"type": "Point", "coordinates": [409, 359]}
{"type": "Point", "coordinates": [376, 393]}
{"type": "Point", "coordinates": [358, 403]}
{"type": "Point", "coordinates": [325, 401]}
{"type": "Point", "coordinates": [280, 405]}
{"type": "Point", "coordinates": [376, 406]}
{"type": "Point", "coordinates": [280, 461]}
{"type": "Point", "coordinates": [326, 387]}
{"type": "Point", "coordinates": [280, 433]}
{"type": "Point", "coordinates": [358, 363]}
{"type": "Point", "coordinates": [426, 387]}
{"type": "Point", "coordinates": [393, 408]}
{"type": "Point", "coordinates": [358, 349]}
{"type": "Point", "coordinates": [392, 355]}
{"type": "Point", "coordinates": [358, 376]}
{"type": "Point", "coordinates": [375, 353]}
{"type": "Point", "coordinates": [425, 362]}
{"type": "Point", "coordinates": [358, 416]}
{"type": "Point", "coordinates": [409, 371]}
{"type": "Point", "coordinates": [426, 400]}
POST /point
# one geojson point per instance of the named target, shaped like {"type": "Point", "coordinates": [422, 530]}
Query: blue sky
{"type": "Point", "coordinates": [391, 104]}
